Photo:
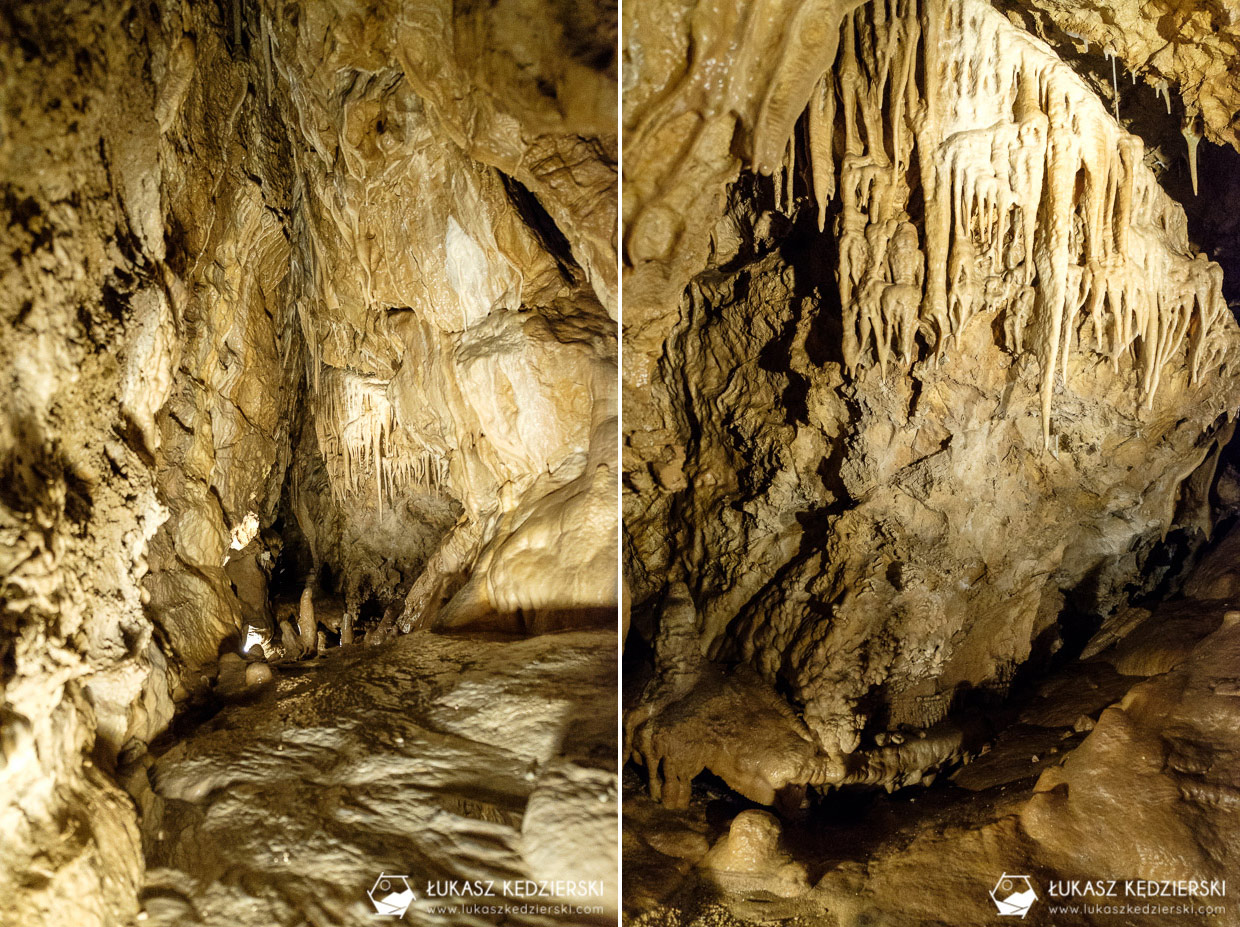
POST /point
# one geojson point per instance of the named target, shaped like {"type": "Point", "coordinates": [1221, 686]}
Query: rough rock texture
{"type": "Point", "coordinates": [751, 857]}
{"type": "Point", "coordinates": [1100, 776]}
{"type": "Point", "coordinates": [306, 321]}
{"type": "Point", "coordinates": [940, 363]}
{"type": "Point", "coordinates": [452, 362]}
{"type": "Point", "coordinates": [435, 759]}
{"type": "Point", "coordinates": [695, 715]}
{"type": "Point", "coordinates": [1169, 44]}
{"type": "Point", "coordinates": [1147, 795]}
{"type": "Point", "coordinates": [84, 356]}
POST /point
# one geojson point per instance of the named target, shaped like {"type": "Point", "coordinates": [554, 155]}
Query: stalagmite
{"type": "Point", "coordinates": [352, 606]}
{"type": "Point", "coordinates": [306, 624]}
{"type": "Point", "coordinates": [290, 640]}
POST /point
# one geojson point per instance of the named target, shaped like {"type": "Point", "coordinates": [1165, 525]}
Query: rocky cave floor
{"type": "Point", "coordinates": [479, 757]}
{"type": "Point", "coordinates": [1119, 761]}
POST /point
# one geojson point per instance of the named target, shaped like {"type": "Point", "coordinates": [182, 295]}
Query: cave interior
{"type": "Point", "coordinates": [917, 600]}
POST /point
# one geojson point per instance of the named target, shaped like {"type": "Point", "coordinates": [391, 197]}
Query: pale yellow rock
{"type": "Point", "coordinates": [751, 856]}
{"type": "Point", "coordinates": [257, 673]}
{"type": "Point", "coordinates": [987, 381]}
{"type": "Point", "coordinates": [286, 292]}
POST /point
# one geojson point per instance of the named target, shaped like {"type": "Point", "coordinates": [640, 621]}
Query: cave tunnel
{"type": "Point", "coordinates": [930, 486]}
{"type": "Point", "coordinates": [307, 462]}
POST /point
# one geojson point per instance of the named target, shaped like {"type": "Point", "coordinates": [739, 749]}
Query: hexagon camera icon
{"type": "Point", "coordinates": [1013, 895]}
{"type": "Point", "coordinates": [391, 895]}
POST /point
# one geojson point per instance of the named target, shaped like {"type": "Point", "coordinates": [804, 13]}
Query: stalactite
{"type": "Point", "coordinates": [357, 435]}
{"type": "Point", "coordinates": [1111, 56]}
{"type": "Point", "coordinates": [1024, 176]}
{"type": "Point", "coordinates": [1162, 88]}
{"type": "Point", "coordinates": [1192, 136]}
{"type": "Point", "coordinates": [821, 119]}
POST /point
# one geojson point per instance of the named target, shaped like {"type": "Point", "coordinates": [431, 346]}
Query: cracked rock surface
{"type": "Point", "coordinates": [1096, 772]}
{"type": "Point", "coordinates": [928, 377]}
{"type": "Point", "coordinates": [437, 757]}
{"type": "Point", "coordinates": [887, 411]}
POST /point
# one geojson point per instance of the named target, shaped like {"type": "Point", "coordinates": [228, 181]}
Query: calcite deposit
{"type": "Point", "coordinates": [1171, 44]}
{"type": "Point", "coordinates": [1140, 787]}
{"type": "Point", "coordinates": [925, 380]}
{"type": "Point", "coordinates": [324, 780]}
{"type": "Point", "coordinates": [307, 332]}
{"type": "Point", "coordinates": [929, 358]}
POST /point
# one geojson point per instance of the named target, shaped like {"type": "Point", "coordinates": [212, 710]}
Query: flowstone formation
{"type": "Point", "coordinates": [308, 340]}
{"type": "Point", "coordinates": [1120, 762]}
{"type": "Point", "coordinates": [922, 372]}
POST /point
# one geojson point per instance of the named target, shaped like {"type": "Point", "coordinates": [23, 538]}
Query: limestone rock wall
{"type": "Point", "coordinates": [460, 362]}
{"type": "Point", "coordinates": [227, 426]}
{"type": "Point", "coordinates": [917, 351]}
{"type": "Point", "coordinates": [87, 356]}
{"type": "Point", "coordinates": [1173, 46]}
{"type": "Point", "coordinates": [279, 274]}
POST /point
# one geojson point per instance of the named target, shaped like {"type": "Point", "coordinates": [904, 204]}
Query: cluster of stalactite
{"type": "Point", "coordinates": [976, 174]}
{"type": "Point", "coordinates": [365, 454]}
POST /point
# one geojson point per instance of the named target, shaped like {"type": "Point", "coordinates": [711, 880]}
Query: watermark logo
{"type": "Point", "coordinates": [1013, 895]}
{"type": "Point", "coordinates": [391, 895]}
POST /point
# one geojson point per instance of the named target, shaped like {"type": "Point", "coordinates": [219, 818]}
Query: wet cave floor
{"type": "Point", "coordinates": [928, 854]}
{"type": "Point", "coordinates": [477, 758]}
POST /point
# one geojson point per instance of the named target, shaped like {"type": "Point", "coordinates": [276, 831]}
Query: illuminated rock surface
{"type": "Point", "coordinates": [307, 337]}
{"type": "Point", "coordinates": [1095, 776]}
{"type": "Point", "coordinates": [883, 450]}
{"type": "Point", "coordinates": [429, 759]}
{"type": "Point", "coordinates": [927, 380]}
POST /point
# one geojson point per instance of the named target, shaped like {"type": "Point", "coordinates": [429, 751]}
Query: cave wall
{"type": "Point", "coordinates": [460, 359]}
{"type": "Point", "coordinates": [887, 415]}
{"type": "Point", "coordinates": [279, 272]}
{"type": "Point", "coordinates": [225, 196]}
{"type": "Point", "coordinates": [1185, 45]}
{"type": "Point", "coordinates": [87, 358]}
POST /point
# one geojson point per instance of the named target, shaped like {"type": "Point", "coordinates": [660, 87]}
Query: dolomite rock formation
{"type": "Point", "coordinates": [918, 354]}
{"type": "Point", "coordinates": [297, 297]}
